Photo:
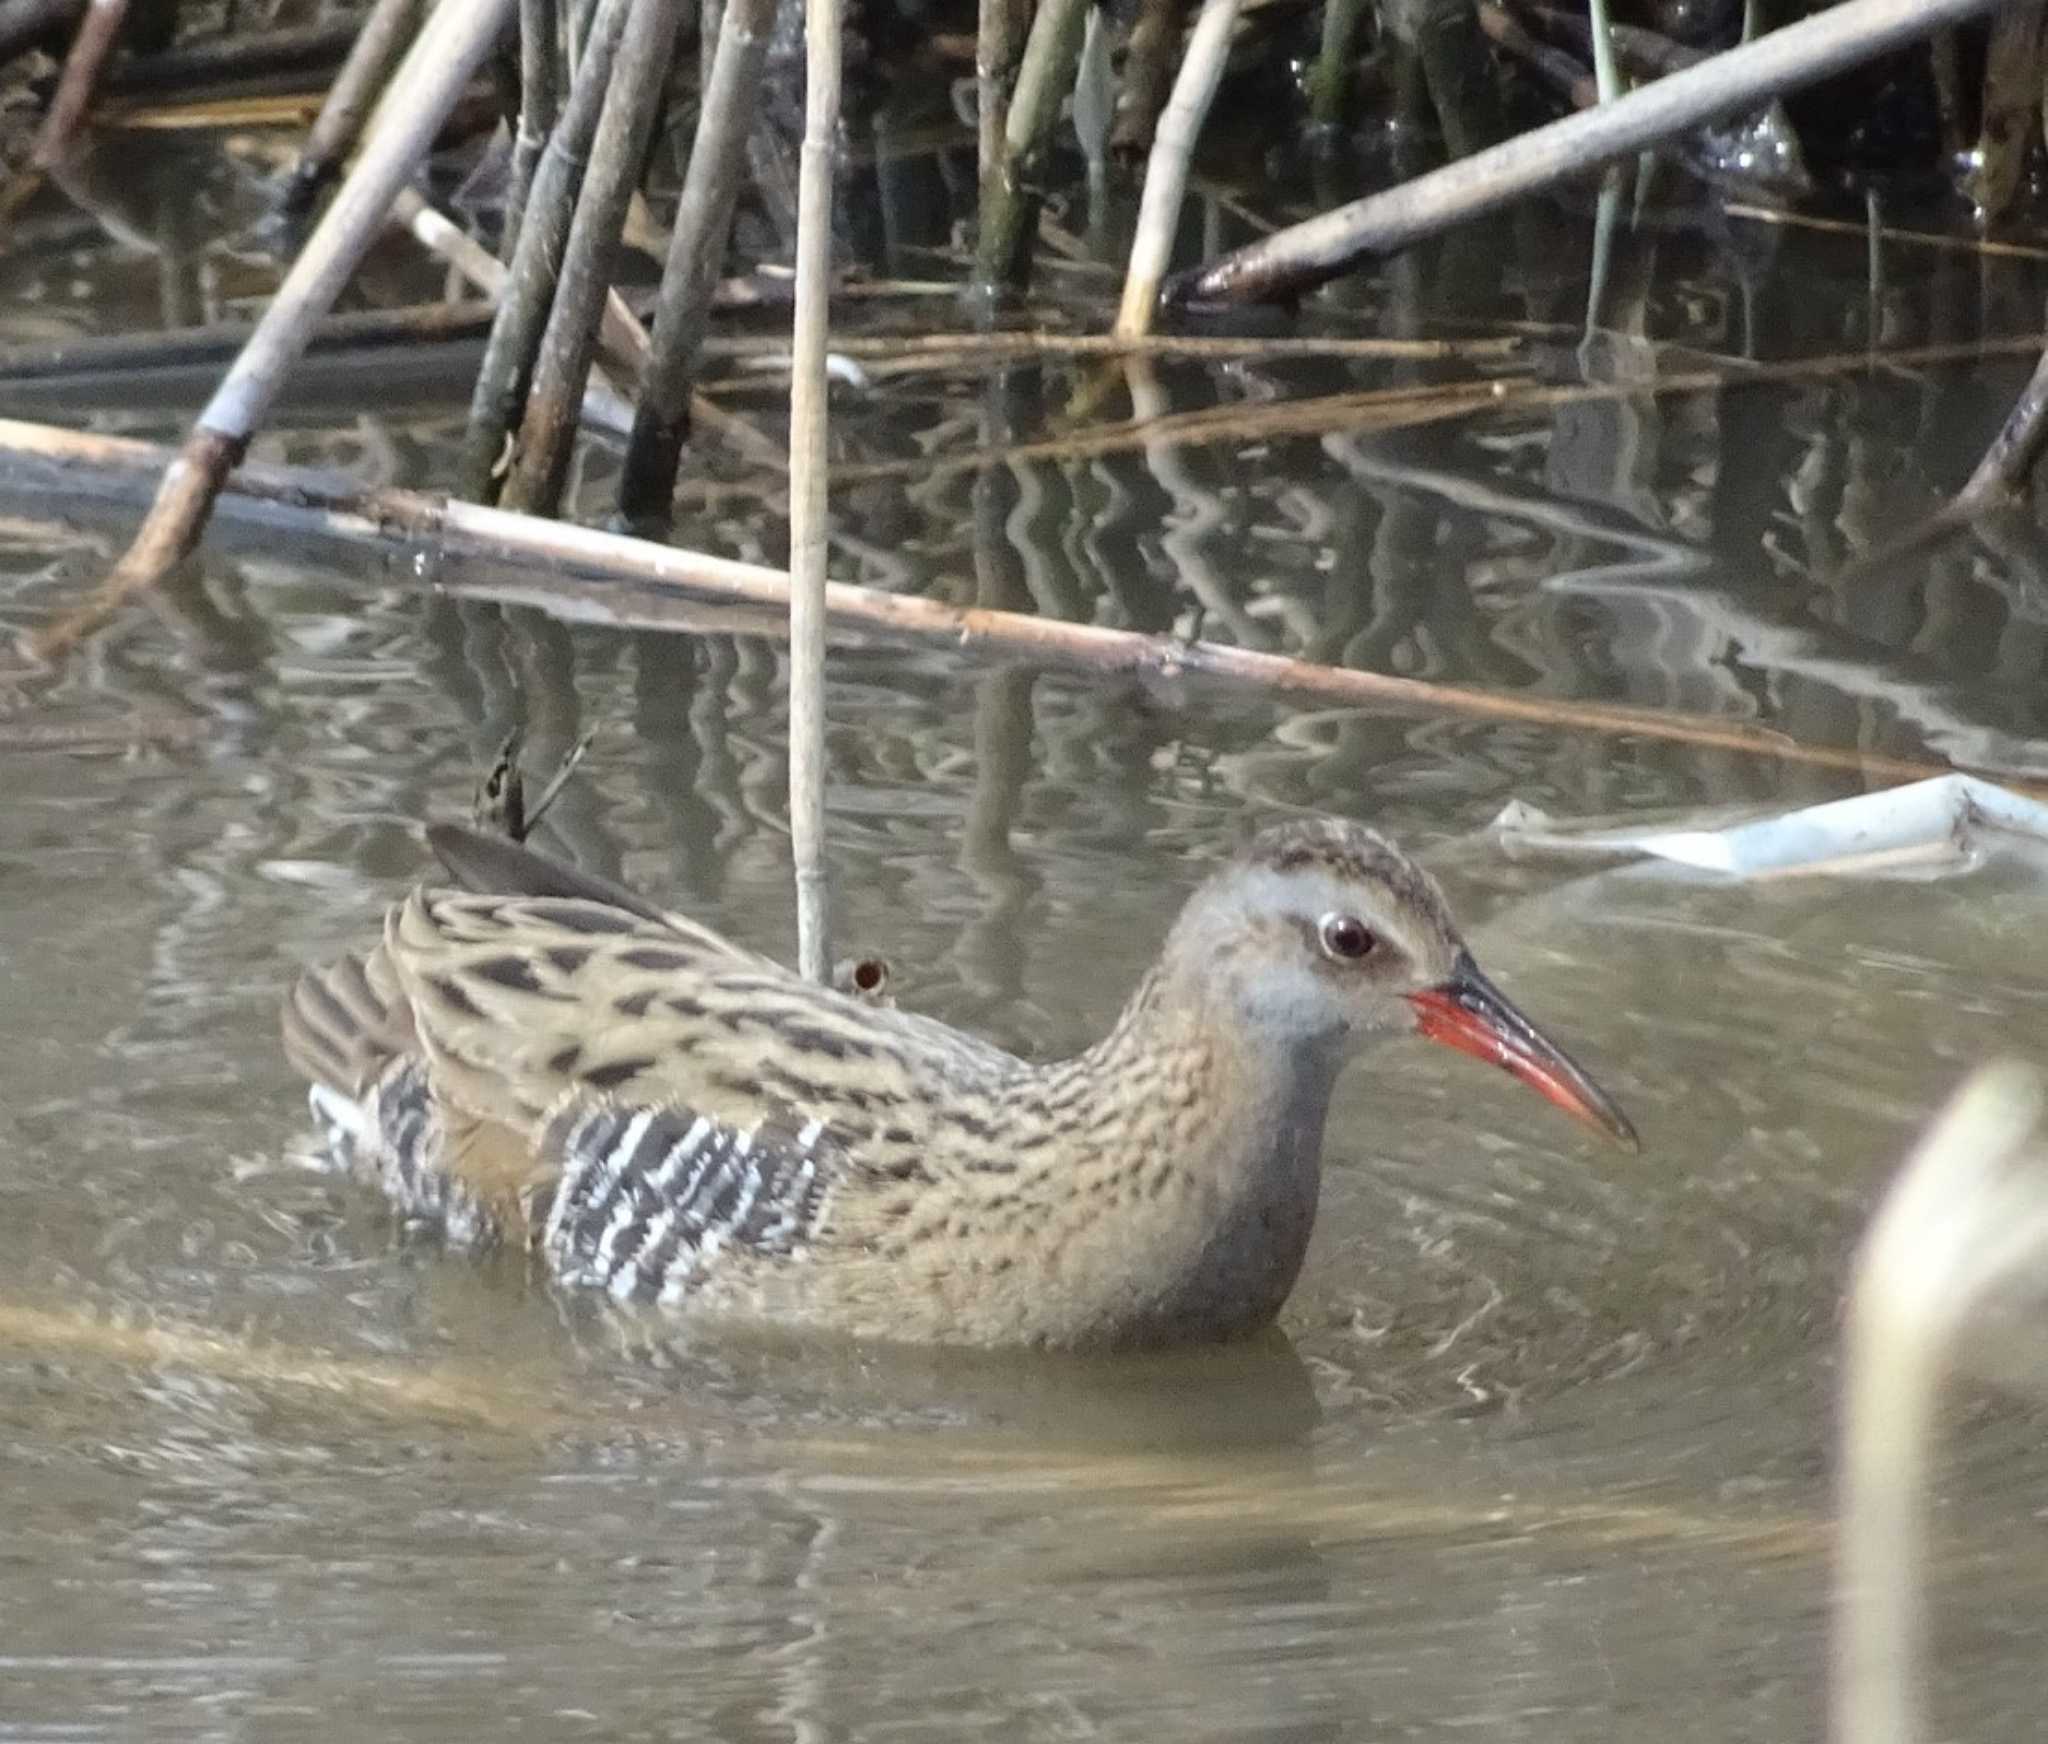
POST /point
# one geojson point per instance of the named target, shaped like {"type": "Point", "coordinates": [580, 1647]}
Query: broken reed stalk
{"type": "Point", "coordinates": [446, 53]}
{"type": "Point", "coordinates": [622, 341]}
{"type": "Point", "coordinates": [1009, 202]}
{"type": "Point", "coordinates": [1306, 254]}
{"type": "Point", "coordinates": [540, 80]}
{"type": "Point", "coordinates": [620, 336]}
{"type": "Point", "coordinates": [602, 404]}
{"type": "Point", "coordinates": [584, 575]}
{"type": "Point", "coordinates": [1966, 1219]}
{"type": "Point", "coordinates": [809, 458]}
{"type": "Point", "coordinates": [1166, 172]}
{"type": "Point", "coordinates": [507, 368]}
{"type": "Point", "coordinates": [391, 25]}
{"type": "Point", "coordinates": [696, 251]}
{"type": "Point", "coordinates": [94, 42]}
{"type": "Point", "coordinates": [540, 465]}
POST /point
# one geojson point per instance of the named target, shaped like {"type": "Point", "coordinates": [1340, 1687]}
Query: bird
{"type": "Point", "coordinates": [540, 1060]}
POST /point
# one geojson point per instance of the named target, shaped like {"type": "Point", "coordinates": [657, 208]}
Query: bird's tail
{"type": "Point", "coordinates": [344, 1024]}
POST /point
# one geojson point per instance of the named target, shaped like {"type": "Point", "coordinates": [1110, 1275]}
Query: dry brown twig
{"type": "Point", "coordinates": [582, 574]}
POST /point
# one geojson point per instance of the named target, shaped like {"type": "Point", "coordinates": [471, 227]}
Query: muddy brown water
{"type": "Point", "coordinates": [1540, 1449]}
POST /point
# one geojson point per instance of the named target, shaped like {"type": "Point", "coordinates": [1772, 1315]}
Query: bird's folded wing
{"type": "Point", "coordinates": [649, 1198]}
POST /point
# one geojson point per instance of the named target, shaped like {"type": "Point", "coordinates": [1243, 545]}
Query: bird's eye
{"type": "Point", "coordinates": [1347, 938]}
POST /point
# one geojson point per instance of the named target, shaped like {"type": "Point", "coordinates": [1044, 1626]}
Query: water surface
{"type": "Point", "coordinates": [1540, 1448]}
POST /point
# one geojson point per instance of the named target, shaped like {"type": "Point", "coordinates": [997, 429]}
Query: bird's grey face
{"type": "Point", "coordinates": [1322, 941]}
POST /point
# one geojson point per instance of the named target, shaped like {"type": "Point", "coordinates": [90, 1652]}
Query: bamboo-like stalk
{"type": "Point", "coordinates": [809, 405]}
{"type": "Point", "coordinates": [540, 467]}
{"type": "Point", "coordinates": [1009, 204]}
{"type": "Point", "coordinates": [540, 79]}
{"type": "Point", "coordinates": [1166, 173]}
{"type": "Point", "coordinates": [578, 17]}
{"type": "Point", "coordinates": [90, 48]}
{"type": "Point", "coordinates": [586, 575]}
{"type": "Point", "coordinates": [508, 362]}
{"type": "Point", "coordinates": [446, 53]}
{"type": "Point", "coordinates": [1606, 73]}
{"type": "Point", "coordinates": [696, 251]}
{"type": "Point", "coordinates": [391, 25]}
{"type": "Point", "coordinates": [1329, 80]}
{"type": "Point", "coordinates": [1306, 254]}
{"type": "Point", "coordinates": [998, 30]}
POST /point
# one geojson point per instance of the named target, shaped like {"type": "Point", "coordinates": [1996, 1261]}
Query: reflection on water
{"type": "Point", "coordinates": [1542, 1449]}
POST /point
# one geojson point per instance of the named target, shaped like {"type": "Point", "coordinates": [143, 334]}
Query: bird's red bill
{"type": "Point", "coordinates": [1469, 1013]}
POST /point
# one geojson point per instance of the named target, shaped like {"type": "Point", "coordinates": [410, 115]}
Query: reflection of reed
{"type": "Point", "coordinates": [668, 683]}
{"type": "Point", "coordinates": [1007, 555]}
{"type": "Point", "coordinates": [1186, 541]}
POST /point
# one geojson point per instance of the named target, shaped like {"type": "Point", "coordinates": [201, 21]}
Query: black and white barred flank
{"type": "Point", "coordinates": [650, 1196]}
{"type": "Point", "coordinates": [396, 1140]}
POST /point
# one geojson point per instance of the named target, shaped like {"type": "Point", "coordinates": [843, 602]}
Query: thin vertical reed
{"type": "Point", "coordinates": [1009, 205]}
{"type": "Point", "coordinates": [547, 431]}
{"type": "Point", "coordinates": [540, 81]}
{"type": "Point", "coordinates": [997, 36]}
{"type": "Point", "coordinates": [508, 362]}
{"type": "Point", "coordinates": [808, 408]}
{"type": "Point", "coordinates": [1166, 174]}
{"type": "Point", "coordinates": [696, 251]}
{"type": "Point", "coordinates": [1606, 73]}
{"type": "Point", "coordinates": [1329, 80]}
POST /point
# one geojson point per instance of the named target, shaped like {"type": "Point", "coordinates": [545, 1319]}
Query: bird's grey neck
{"type": "Point", "coordinates": [1277, 1080]}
